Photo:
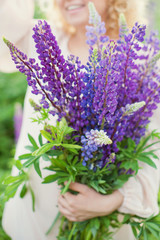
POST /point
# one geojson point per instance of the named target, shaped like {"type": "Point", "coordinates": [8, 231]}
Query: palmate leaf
{"type": "Point", "coordinates": [143, 158]}
{"type": "Point", "coordinates": [63, 127]}
{"type": "Point", "coordinates": [143, 227]}
{"type": "Point", "coordinates": [13, 183]}
{"type": "Point", "coordinates": [142, 146]}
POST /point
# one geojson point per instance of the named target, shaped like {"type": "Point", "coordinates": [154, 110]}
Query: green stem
{"type": "Point", "coordinates": [54, 222]}
{"type": "Point", "coordinates": [71, 233]}
{"type": "Point", "coordinates": [61, 226]}
{"type": "Point", "coordinates": [89, 235]}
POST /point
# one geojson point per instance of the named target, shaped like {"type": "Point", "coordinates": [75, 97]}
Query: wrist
{"type": "Point", "coordinates": [112, 202]}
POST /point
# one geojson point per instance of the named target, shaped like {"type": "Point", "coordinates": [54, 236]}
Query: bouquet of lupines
{"type": "Point", "coordinates": [102, 111]}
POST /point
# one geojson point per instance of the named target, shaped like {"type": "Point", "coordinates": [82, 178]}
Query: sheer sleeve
{"type": "Point", "coordinates": [15, 24]}
{"type": "Point", "coordinates": [141, 192]}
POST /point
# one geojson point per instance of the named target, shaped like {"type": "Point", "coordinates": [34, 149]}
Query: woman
{"type": "Point", "coordinates": [138, 195]}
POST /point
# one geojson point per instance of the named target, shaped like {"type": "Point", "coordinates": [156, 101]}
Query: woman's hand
{"type": "Point", "coordinates": [87, 203]}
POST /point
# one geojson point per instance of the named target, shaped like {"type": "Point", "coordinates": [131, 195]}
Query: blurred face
{"type": "Point", "coordinates": [75, 12]}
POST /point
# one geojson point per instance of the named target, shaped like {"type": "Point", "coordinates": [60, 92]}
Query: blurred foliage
{"type": "Point", "coordinates": [12, 88]}
{"type": "Point", "coordinates": [38, 13]}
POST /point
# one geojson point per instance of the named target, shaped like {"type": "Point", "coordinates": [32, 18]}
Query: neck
{"type": "Point", "coordinates": [77, 44]}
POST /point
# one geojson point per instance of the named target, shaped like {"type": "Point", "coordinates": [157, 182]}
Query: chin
{"type": "Point", "coordinates": [78, 20]}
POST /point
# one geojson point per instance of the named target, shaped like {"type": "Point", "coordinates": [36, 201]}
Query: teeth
{"type": "Point", "coordinates": [73, 7]}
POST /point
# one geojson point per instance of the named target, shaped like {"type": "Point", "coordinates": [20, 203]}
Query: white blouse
{"type": "Point", "coordinates": [19, 221]}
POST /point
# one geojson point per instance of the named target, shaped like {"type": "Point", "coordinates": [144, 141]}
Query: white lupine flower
{"type": "Point", "coordinates": [100, 138]}
{"type": "Point", "coordinates": [131, 108]}
{"type": "Point", "coordinates": [94, 17]}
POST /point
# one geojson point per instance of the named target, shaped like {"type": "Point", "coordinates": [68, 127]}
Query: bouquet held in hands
{"type": "Point", "coordinates": [102, 108]}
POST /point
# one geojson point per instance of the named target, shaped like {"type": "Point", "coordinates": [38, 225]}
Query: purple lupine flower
{"type": "Point", "coordinates": [100, 95]}
{"type": "Point", "coordinates": [92, 141]}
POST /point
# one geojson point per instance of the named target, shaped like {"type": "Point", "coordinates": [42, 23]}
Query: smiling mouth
{"type": "Point", "coordinates": [74, 7]}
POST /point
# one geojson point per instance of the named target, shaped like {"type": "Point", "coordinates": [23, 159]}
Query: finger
{"type": "Point", "coordinates": [63, 205]}
{"type": "Point", "coordinates": [70, 199]}
{"type": "Point", "coordinates": [78, 187]}
{"type": "Point", "coordinates": [63, 210]}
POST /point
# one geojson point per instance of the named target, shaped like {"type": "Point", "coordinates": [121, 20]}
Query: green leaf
{"type": "Point", "coordinates": [33, 142]}
{"type": "Point", "coordinates": [30, 162]}
{"type": "Point", "coordinates": [126, 218]}
{"type": "Point", "coordinates": [54, 131]}
{"type": "Point", "coordinates": [71, 146]}
{"type": "Point", "coordinates": [61, 164]}
{"type": "Point", "coordinates": [23, 191]}
{"type": "Point", "coordinates": [134, 231]}
{"type": "Point", "coordinates": [73, 151]}
{"type": "Point", "coordinates": [37, 168]}
{"type": "Point", "coordinates": [141, 157]}
{"type": "Point", "coordinates": [11, 179]}
{"type": "Point", "coordinates": [153, 225]}
{"type": "Point", "coordinates": [25, 156]}
{"type": "Point", "coordinates": [18, 164]}
{"type": "Point", "coordinates": [30, 148]}
{"type": "Point", "coordinates": [61, 128]}
{"type": "Point", "coordinates": [106, 221]}
{"type": "Point", "coordinates": [153, 232]}
{"type": "Point", "coordinates": [150, 153]}
{"type": "Point", "coordinates": [54, 152]}
{"type": "Point", "coordinates": [133, 164]}
{"type": "Point", "coordinates": [40, 139]}
{"type": "Point", "coordinates": [150, 145]}
{"type": "Point", "coordinates": [11, 190]}
{"type": "Point", "coordinates": [145, 235]}
{"type": "Point", "coordinates": [131, 144]}
{"type": "Point", "coordinates": [47, 135]}
{"type": "Point", "coordinates": [142, 143]}
{"type": "Point", "coordinates": [45, 157]}
{"type": "Point", "coordinates": [45, 148]}
{"type": "Point", "coordinates": [51, 178]}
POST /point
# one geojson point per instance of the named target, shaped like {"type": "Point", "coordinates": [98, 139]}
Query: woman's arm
{"type": "Point", "coordinates": [87, 203]}
{"type": "Point", "coordinates": [15, 23]}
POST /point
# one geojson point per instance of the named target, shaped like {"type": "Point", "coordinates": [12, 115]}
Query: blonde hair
{"type": "Point", "coordinates": [134, 10]}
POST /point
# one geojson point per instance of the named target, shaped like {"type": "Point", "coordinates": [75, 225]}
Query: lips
{"type": "Point", "coordinates": [74, 7]}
